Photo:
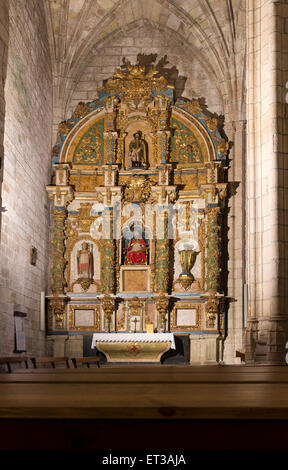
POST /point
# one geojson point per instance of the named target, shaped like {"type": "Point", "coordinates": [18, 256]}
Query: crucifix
{"type": "Point", "coordinates": [135, 321]}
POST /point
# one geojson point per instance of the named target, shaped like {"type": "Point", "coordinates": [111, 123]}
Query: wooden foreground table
{"type": "Point", "coordinates": [143, 407]}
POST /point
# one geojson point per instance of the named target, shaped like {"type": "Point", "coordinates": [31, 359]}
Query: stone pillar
{"type": "Point", "coordinates": [4, 41]}
{"type": "Point", "coordinates": [59, 343]}
{"type": "Point", "coordinates": [266, 186]}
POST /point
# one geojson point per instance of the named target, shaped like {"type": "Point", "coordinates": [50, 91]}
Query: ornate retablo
{"type": "Point", "coordinates": [139, 192]}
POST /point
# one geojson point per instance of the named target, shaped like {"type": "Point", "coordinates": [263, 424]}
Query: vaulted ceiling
{"type": "Point", "coordinates": [211, 30]}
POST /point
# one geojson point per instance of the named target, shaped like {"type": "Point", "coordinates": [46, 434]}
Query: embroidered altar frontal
{"type": "Point", "coordinates": [133, 347]}
{"type": "Point", "coordinates": [139, 194]}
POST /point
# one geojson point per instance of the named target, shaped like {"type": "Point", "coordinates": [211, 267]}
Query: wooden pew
{"type": "Point", "coordinates": [36, 361]}
{"type": "Point", "coordinates": [14, 360]}
{"type": "Point", "coordinates": [85, 360]}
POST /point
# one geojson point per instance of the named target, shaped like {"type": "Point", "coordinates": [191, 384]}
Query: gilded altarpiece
{"type": "Point", "coordinates": [139, 195]}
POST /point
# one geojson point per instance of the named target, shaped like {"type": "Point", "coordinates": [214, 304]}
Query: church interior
{"type": "Point", "coordinates": [143, 223]}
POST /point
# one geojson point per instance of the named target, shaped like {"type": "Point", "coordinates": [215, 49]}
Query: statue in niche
{"type": "Point", "coordinates": [138, 151]}
{"type": "Point", "coordinates": [136, 252]}
{"type": "Point", "coordinates": [85, 267]}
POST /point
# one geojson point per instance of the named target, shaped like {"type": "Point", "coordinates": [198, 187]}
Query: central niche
{"type": "Point", "coordinates": [136, 249]}
{"type": "Point", "coordinates": [138, 145]}
{"type": "Point", "coordinates": [138, 154]}
{"type": "Point", "coordinates": [135, 273]}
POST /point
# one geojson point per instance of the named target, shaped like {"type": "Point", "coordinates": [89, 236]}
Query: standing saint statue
{"type": "Point", "coordinates": [137, 151]}
{"type": "Point", "coordinates": [85, 266]}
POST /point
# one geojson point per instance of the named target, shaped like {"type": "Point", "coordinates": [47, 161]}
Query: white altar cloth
{"type": "Point", "coordinates": [136, 337]}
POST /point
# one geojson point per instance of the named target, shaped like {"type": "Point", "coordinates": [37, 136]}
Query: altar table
{"type": "Point", "coordinates": [133, 347]}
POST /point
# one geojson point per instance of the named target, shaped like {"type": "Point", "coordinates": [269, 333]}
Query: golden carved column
{"type": "Point", "coordinates": [162, 254]}
{"type": "Point", "coordinates": [57, 303]}
{"type": "Point", "coordinates": [58, 242]}
{"type": "Point", "coordinates": [60, 195]}
{"type": "Point", "coordinates": [108, 252]}
{"type": "Point", "coordinates": [213, 265]}
{"type": "Point", "coordinates": [162, 104]}
{"type": "Point", "coordinates": [213, 249]}
{"type": "Point", "coordinates": [110, 134]}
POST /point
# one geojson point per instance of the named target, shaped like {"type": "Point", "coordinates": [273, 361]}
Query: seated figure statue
{"type": "Point", "coordinates": [136, 252]}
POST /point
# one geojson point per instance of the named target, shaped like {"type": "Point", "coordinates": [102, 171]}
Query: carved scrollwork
{"type": "Point", "coordinates": [134, 85]}
{"type": "Point", "coordinates": [137, 189]}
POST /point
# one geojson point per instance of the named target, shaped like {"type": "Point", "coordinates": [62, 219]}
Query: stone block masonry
{"type": "Point", "coordinates": [26, 171]}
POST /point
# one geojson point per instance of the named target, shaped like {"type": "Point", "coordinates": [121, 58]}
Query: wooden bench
{"type": "Point", "coordinates": [13, 360]}
{"type": "Point", "coordinates": [85, 360]}
{"type": "Point", "coordinates": [36, 361]}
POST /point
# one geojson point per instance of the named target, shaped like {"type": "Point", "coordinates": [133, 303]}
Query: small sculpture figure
{"type": "Point", "coordinates": [137, 151]}
{"type": "Point", "coordinates": [85, 266]}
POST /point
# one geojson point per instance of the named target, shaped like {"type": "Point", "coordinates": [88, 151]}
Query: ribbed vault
{"type": "Point", "coordinates": [207, 29]}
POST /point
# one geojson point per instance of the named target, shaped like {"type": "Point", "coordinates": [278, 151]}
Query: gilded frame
{"type": "Point", "coordinates": [186, 305]}
{"type": "Point", "coordinates": [94, 327]}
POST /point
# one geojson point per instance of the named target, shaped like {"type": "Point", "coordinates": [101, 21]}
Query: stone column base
{"type": "Point", "coordinates": [74, 346]}
{"type": "Point", "coordinates": [204, 349]}
{"type": "Point", "coordinates": [57, 345]}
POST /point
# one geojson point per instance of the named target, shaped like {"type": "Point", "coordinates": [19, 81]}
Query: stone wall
{"type": "Point", "coordinates": [27, 151]}
{"type": "Point", "coordinates": [4, 40]}
{"type": "Point", "coordinates": [146, 42]}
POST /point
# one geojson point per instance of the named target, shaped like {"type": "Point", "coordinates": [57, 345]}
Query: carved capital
{"type": "Point", "coordinates": [60, 195]}
{"type": "Point", "coordinates": [108, 305]}
{"type": "Point", "coordinates": [162, 304]}
{"type": "Point", "coordinates": [57, 309]}
{"type": "Point", "coordinates": [211, 309]}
